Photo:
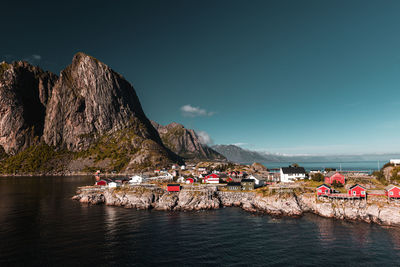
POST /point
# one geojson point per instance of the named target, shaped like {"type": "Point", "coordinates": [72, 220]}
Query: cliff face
{"type": "Point", "coordinates": [90, 100]}
{"type": "Point", "coordinates": [24, 93]}
{"type": "Point", "coordinates": [185, 142]}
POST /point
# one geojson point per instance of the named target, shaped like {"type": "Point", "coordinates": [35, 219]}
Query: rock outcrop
{"type": "Point", "coordinates": [186, 142]}
{"type": "Point", "coordinates": [376, 211]}
{"type": "Point", "coordinates": [90, 100]}
{"type": "Point", "coordinates": [24, 93]}
{"type": "Point", "coordinates": [258, 167]}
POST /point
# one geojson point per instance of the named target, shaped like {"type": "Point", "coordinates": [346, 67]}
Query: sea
{"type": "Point", "coordinates": [41, 226]}
{"type": "Point", "coordinates": [366, 166]}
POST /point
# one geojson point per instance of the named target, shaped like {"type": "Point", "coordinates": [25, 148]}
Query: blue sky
{"type": "Point", "coordinates": [296, 77]}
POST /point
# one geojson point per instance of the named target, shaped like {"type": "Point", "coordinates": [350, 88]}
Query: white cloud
{"type": "Point", "coordinates": [190, 111]}
{"type": "Point", "coordinates": [37, 57]}
{"type": "Point", "coordinates": [33, 59]}
{"type": "Point", "coordinates": [204, 138]}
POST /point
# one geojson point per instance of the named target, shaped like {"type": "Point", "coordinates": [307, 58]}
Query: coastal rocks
{"type": "Point", "coordinates": [197, 200]}
{"type": "Point", "coordinates": [277, 205]}
{"type": "Point", "coordinates": [288, 204]}
{"type": "Point", "coordinates": [236, 199]}
{"type": "Point", "coordinates": [93, 199]}
{"type": "Point", "coordinates": [372, 211]}
{"type": "Point", "coordinates": [258, 167]}
{"type": "Point", "coordinates": [167, 201]}
{"type": "Point", "coordinates": [24, 93]}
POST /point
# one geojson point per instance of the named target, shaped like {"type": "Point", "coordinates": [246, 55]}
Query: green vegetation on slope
{"type": "Point", "coordinates": [35, 159]}
{"type": "Point", "coordinates": [117, 147]}
{"type": "Point", "coordinates": [3, 67]}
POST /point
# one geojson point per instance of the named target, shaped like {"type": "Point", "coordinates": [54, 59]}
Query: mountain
{"type": "Point", "coordinates": [24, 93]}
{"type": "Point", "coordinates": [185, 142]}
{"type": "Point", "coordinates": [240, 155]}
{"type": "Point", "coordinates": [89, 117]}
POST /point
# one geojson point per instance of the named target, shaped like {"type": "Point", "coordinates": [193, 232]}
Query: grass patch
{"type": "Point", "coordinates": [37, 158]}
{"type": "Point", "coordinates": [3, 67]}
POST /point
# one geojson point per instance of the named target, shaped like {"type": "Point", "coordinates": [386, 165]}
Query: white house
{"type": "Point", "coordinates": [136, 179]}
{"type": "Point", "coordinates": [112, 184]}
{"type": "Point", "coordinates": [395, 162]}
{"type": "Point", "coordinates": [212, 179]}
{"type": "Point", "coordinates": [257, 180]}
{"type": "Point", "coordinates": [290, 174]}
{"type": "Point", "coordinates": [180, 180]}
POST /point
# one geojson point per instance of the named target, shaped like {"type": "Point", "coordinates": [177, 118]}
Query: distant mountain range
{"type": "Point", "coordinates": [240, 155]}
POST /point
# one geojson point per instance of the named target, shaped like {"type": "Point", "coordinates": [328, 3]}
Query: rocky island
{"type": "Point", "coordinates": [294, 202]}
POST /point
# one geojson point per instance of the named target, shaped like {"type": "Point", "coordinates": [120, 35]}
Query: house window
{"type": "Point", "coordinates": [319, 191]}
{"type": "Point", "coordinates": [391, 193]}
{"type": "Point", "coordinates": [354, 193]}
{"type": "Point", "coordinates": [362, 192]}
{"type": "Point", "coordinates": [327, 191]}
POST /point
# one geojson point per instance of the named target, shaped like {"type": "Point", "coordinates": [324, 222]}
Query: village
{"type": "Point", "coordinates": [327, 184]}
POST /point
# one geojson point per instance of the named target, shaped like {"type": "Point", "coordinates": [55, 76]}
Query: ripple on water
{"type": "Point", "coordinates": [41, 225]}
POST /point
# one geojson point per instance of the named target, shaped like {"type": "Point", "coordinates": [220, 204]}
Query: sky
{"type": "Point", "coordinates": [292, 77]}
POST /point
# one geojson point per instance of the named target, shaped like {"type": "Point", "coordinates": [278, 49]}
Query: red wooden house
{"type": "Point", "coordinates": [323, 190]}
{"type": "Point", "coordinates": [339, 178]}
{"type": "Point", "coordinates": [189, 180]}
{"type": "Point", "coordinates": [101, 182]}
{"type": "Point", "coordinates": [233, 174]}
{"type": "Point", "coordinates": [392, 191]}
{"type": "Point", "coordinates": [173, 187]}
{"type": "Point", "coordinates": [212, 179]}
{"type": "Point", "coordinates": [357, 191]}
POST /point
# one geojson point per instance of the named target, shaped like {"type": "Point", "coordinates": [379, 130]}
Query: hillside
{"type": "Point", "coordinates": [186, 143]}
{"type": "Point", "coordinates": [240, 155]}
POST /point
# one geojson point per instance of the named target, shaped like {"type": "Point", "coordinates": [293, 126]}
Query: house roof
{"type": "Point", "coordinates": [234, 184]}
{"type": "Point", "coordinates": [335, 174]}
{"type": "Point", "coordinates": [293, 170]}
{"type": "Point", "coordinates": [324, 185]}
{"type": "Point", "coordinates": [248, 180]}
{"type": "Point", "coordinates": [331, 173]}
{"type": "Point", "coordinates": [353, 186]}
{"type": "Point", "coordinates": [391, 186]}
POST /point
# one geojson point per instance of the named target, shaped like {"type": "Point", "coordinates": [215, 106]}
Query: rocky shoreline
{"type": "Point", "coordinates": [373, 210]}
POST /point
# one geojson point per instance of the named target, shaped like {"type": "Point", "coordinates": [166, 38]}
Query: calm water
{"type": "Point", "coordinates": [40, 225]}
{"type": "Point", "coordinates": [345, 166]}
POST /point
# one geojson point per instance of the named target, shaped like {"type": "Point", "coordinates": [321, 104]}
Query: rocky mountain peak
{"type": "Point", "coordinates": [24, 93]}
{"type": "Point", "coordinates": [91, 99]}
{"type": "Point", "coordinates": [185, 142]}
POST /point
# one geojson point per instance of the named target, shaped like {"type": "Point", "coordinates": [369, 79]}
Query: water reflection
{"type": "Point", "coordinates": [40, 225]}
